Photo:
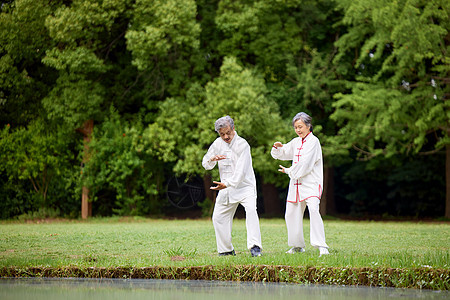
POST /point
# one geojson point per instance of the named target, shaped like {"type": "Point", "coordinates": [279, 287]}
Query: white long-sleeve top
{"type": "Point", "coordinates": [306, 172]}
{"type": "Point", "coordinates": [236, 171]}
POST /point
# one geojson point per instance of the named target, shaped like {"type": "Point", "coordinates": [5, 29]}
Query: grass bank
{"type": "Point", "coordinates": [397, 254]}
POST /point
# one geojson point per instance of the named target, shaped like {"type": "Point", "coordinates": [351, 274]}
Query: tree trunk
{"type": "Point", "coordinates": [209, 194]}
{"type": "Point", "coordinates": [327, 204]}
{"type": "Point", "coordinates": [447, 182]}
{"type": "Point", "coordinates": [272, 205]}
{"type": "Point", "coordinates": [207, 183]}
{"type": "Point", "coordinates": [86, 205]}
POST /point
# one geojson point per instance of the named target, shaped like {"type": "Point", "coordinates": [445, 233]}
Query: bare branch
{"type": "Point", "coordinates": [369, 155]}
{"type": "Point", "coordinates": [431, 152]}
{"type": "Point", "coordinates": [35, 184]}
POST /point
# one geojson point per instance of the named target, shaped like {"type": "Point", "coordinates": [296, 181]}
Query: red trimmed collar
{"type": "Point", "coordinates": [303, 139]}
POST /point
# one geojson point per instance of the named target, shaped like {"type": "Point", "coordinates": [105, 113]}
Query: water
{"type": "Point", "coordinates": [110, 289]}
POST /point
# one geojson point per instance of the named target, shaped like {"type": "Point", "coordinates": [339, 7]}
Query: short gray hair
{"type": "Point", "coordinates": [305, 118]}
{"type": "Point", "coordinates": [223, 122]}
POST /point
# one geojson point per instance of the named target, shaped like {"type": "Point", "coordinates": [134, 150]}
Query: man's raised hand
{"type": "Point", "coordinates": [217, 157]}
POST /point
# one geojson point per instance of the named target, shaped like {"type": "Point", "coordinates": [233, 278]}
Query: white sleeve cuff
{"type": "Point", "coordinates": [226, 183]}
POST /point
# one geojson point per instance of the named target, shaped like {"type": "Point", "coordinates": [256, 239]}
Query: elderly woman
{"type": "Point", "coordinates": [305, 186]}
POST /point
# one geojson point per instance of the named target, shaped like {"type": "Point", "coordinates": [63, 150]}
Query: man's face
{"type": "Point", "coordinates": [301, 129]}
{"type": "Point", "coordinates": [227, 134]}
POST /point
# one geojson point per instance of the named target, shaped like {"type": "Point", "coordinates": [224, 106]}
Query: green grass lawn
{"type": "Point", "coordinates": [115, 242]}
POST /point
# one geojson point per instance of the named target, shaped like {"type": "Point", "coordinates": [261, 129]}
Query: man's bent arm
{"type": "Point", "coordinates": [206, 162]}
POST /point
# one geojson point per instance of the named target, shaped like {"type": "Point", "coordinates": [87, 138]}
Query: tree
{"type": "Point", "coordinates": [163, 38]}
{"type": "Point", "coordinates": [395, 59]}
{"type": "Point", "coordinates": [81, 57]}
{"type": "Point", "coordinates": [37, 155]}
{"type": "Point", "coordinates": [291, 44]}
{"type": "Point", "coordinates": [23, 41]}
{"type": "Point", "coordinates": [185, 127]}
{"type": "Point", "coordinates": [119, 166]}
{"type": "Point", "coordinates": [122, 53]}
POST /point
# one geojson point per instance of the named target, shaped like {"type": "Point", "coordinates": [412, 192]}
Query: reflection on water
{"type": "Point", "coordinates": [109, 289]}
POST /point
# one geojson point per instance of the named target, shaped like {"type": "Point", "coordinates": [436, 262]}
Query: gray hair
{"type": "Point", "coordinates": [305, 118]}
{"type": "Point", "coordinates": [223, 122]}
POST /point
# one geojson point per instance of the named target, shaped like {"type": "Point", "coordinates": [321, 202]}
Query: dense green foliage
{"type": "Point", "coordinates": [120, 168]}
{"type": "Point", "coordinates": [153, 75]}
{"type": "Point", "coordinates": [398, 94]}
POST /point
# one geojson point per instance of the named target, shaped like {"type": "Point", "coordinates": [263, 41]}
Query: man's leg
{"type": "Point", "coordinates": [317, 231]}
{"type": "Point", "coordinates": [222, 219]}
{"type": "Point", "coordinates": [294, 224]}
{"type": "Point", "coordinates": [252, 222]}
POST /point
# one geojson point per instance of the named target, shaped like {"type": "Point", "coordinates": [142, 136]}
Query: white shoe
{"type": "Point", "coordinates": [295, 250]}
{"type": "Point", "coordinates": [323, 251]}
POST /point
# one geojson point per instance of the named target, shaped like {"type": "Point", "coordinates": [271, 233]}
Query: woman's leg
{"type": "Point", "coordinates": [317, 231]}
{"type": "Point", "coordinates": [294, 224]}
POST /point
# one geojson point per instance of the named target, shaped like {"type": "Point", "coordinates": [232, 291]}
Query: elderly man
{"type": "Point", "coordinates": [237, 186]}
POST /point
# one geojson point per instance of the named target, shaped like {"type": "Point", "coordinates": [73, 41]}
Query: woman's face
{"type": "Point", "coordinates": [301, 129]}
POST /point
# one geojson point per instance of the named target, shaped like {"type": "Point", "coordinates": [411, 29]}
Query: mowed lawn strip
{"type": "Point", "coordinates": [116, 242]}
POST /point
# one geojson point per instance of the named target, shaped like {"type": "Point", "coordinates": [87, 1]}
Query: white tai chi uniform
{"type": "Point", "coordinates": [236, 172]}
{"type": "Point", "coordinates": [305, 188]}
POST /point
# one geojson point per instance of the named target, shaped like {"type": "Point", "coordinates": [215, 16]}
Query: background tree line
{"type": "Point", "coordinates": [113, 97]}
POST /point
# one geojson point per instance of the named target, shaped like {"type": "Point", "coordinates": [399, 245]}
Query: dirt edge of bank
{"type": "Point", "coordinates": [419, 278]}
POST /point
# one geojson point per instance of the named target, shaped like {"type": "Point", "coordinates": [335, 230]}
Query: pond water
{"type": "Point", "coordinates": [109, 289]}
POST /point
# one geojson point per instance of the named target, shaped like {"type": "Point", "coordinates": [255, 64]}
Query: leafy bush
{"type": "Point", "coordinates": [120, 169]}
{"type": "Point", "coordinates": [37, 170]}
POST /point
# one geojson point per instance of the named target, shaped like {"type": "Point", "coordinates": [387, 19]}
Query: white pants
{"type": "Point", "coordinates": [222, 219]}
{"type": "Point", "coordinates": [294, 223]}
